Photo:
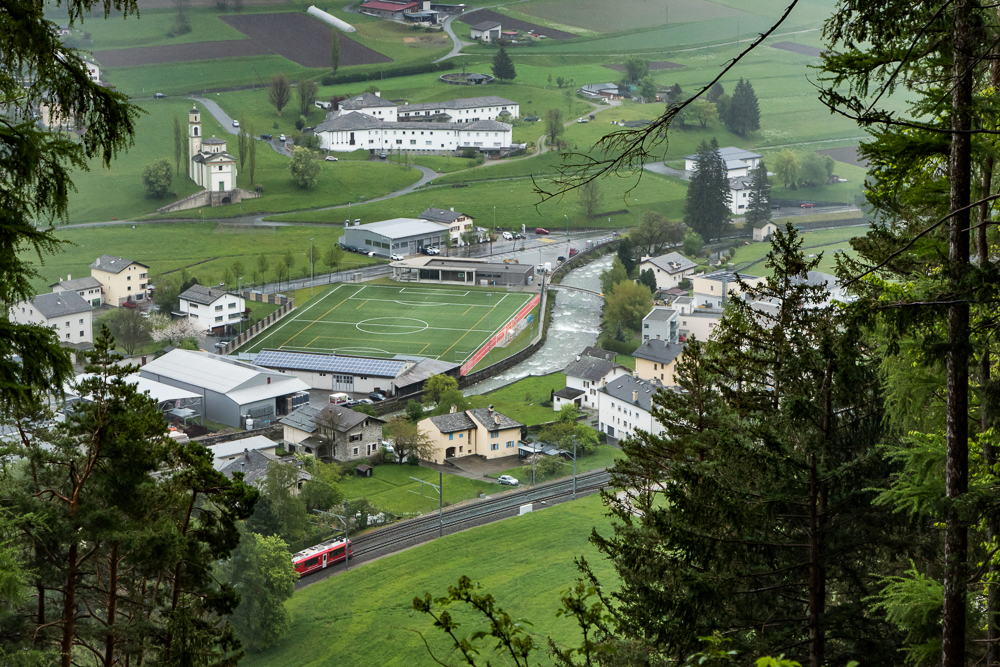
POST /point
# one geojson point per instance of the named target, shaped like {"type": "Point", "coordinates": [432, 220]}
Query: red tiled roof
{"type": "Point", "coordinates": [389, 6]}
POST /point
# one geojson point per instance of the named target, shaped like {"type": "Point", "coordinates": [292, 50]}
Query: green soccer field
{"type": "Point", "coordinates": [447, 323]}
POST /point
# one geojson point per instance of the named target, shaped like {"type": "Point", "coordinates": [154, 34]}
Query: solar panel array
{"type": "Point", "coordinates": [328, 363]}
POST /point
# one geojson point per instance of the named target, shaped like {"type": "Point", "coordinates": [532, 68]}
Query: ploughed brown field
{"type": "Point", "coordinates": [294, 35]}
{"type": "Point", "coordinates": [507, 23]}
{"type": "Point", "coordinates": [847, 155]}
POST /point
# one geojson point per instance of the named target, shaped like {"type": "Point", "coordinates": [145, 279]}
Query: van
{"type": "Point", "coordinates": [326, 106]}
{"type": "Point", "coordinates": [339, 399]}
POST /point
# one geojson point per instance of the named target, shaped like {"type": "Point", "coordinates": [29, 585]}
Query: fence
{"type": "Point", "coordinates": [287, 306]}
{"type": "Point", "coordinates": [491, 343]}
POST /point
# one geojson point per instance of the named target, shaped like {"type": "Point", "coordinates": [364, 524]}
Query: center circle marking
{"type": "Point", "coordinates": [392, 326]}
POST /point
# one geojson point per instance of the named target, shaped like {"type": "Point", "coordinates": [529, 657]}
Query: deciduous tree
{"type": "Point", "coordinates": [333, 256]}
{"type": "Point", "coordinates": [786, 167]}
{"type": "Point", "coordinates": [408, 440]}
{"type": "Point", "coordinates": [335, 51]}
{"type": "Point", "coordinates": [553, 125]}
{"type": "Point", "coordinates": [628, 303]}
{"type": "Point", "coordinates": [279, 92]}
{"type": "Point", "coordinates": [636, 69]}
{"type": "Point", "coordinates": [307, 96]}
{"type": "Point", "coordinates": [157, 177]}
{"type": "Point", "coordinates": [262, 572]}
{"type": "Point", "coordinates": [304, 168]}
{"type": "Point", "coordinates": [591, 198]}
{"type": "Point", "coordinates": [129, 328]}
{"type": "Point", "coordinates": [613, 275]}
{"type": "Point", "coordinates": [436, 385]}
{"type": "Point", "coordinates": [704, 112]}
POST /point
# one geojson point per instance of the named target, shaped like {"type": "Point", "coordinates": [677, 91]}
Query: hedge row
{"type": "Point", "coordinates": [355, 77]}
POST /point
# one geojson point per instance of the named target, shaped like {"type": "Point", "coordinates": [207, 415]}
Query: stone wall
{"type": "Point", "coordinates": [208, 198]}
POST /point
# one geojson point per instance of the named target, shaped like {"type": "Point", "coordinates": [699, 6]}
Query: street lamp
{"type": "Point", "coordinates": [567, 226]}
{"type": "Point", "coordinates": [312, 276]}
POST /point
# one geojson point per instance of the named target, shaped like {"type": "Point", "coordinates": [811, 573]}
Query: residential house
{"type": "Point", "coordinates": [224, 453]}
{"type": "Point", "coordinates": [763, 230]}
{"type": "Point", "coordinates": [69, 314]}
{"type": "Point", "coordinates": [607, 355]}
{"type": "Point", "coordinates": [700, 324]}
{"type": "Point", "coordinates": [712, 289]}
{"type": "Point", "coordinates": [332, 432]}
{"type": "Point", "coordinates": [661, 323]}
{"type": "Point", "coordinates": [481, 432]}
{"type": "Point", "coordinates": [212, 308]}
{"type": "Point", "coordinates": [590, 374]}
{"type": "Point", "coordinates": [657, 360]}
{"type": "Point", "coordinates": [88, 288]}
{"type": "Point", "coordinates": [669, 269]}
{"type": "Point", "coordinates": [254, 464]}
{"type": "Point", "coordinates": [458, 223]}
{"type": "Point", "coordinates": [486, 31]}
{"type": "Point", "coordinates": [464, 110]}
{"type": "Point", "coordinates": [738, 161]}
{"type": "Point", "coordinates": [122, 280]}
{"type": "Point", "coordinates": [387, 9]}
{"type": "Point", "coordinates": [626, 405]}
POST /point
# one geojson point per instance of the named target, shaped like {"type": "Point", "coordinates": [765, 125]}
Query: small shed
{"type": "Point", "coordinates": [364, 470]}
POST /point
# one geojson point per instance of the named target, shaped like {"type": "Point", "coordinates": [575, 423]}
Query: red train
{"type": "Point", "coordinates": [320, 556]}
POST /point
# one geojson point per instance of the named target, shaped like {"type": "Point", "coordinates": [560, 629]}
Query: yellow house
{"type": "Point", "coordinates": [480, 432]}
{"type": "Point", "coordinates": [657, 360]}
{"type": "Point", "coordinates": [122, 279]}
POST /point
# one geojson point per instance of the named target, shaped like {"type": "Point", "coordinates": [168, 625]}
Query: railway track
{"type": "Point", "coordinates": [411, 532]}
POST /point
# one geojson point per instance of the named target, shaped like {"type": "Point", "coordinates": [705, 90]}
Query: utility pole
{"type": "Point", "coordinates": [312, 274]}
{"type": "Point", "coordinates": [437, 488]}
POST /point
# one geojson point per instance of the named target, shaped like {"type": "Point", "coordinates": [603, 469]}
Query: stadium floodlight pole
{"type": "Point", "coordinates": [437, 488]}
{"type": "Point", "coordinates": [489, 324]}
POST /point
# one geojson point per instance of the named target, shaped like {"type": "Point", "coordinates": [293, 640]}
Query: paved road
{"type": "Point", "coordinates": [660, 168]}
{"type": "Point", "coordinates": [213, 108]}
{"type": "Point", "coordinates": [456, 49]}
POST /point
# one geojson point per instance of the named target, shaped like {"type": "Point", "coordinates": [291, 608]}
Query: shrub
{"type": "Point", "coordinates": [413, 460]}
{"type": "Point", "coordinates": [469, 152]}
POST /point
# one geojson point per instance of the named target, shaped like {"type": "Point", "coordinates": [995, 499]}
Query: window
{"type": "Point", "coordinates": [494, 434]}
{"type": "Point", "coordinates": [355, 451]}
{"type": "Point", "coordinates": [219, 318]}
{"type": "Point", "coordinates": [398, 141]}
{"type": "Point", "coordinates": [129, 288]}
{"type": "Point", "coordinates": [494, 447]}
{"type": "Point", "coordinates": [81, 320]}
{"type": "Point", "coordinates": [67, 336]}
{"type": "Point", "coordinates": [232, 305]}
{"type": "Point", "coordinates": [81, 334]}
{"type": "Point", "coordinates": [355, 437]}
{"type": "Point", "coordinates": [510, 443]}
{"type": "Point", "coordinates": [413, 142]}
{"type": "Point", "coordinates": [218, 308]}
{"type": "Point", "coordinates": [128, 277]}
{"type": "Point", "coordinates": [193, 306]}
{"type": "Point", "coordinates": [461, 435]}
{"type": "Point", "coordinates": [142, 275]}
{"type": "Point", "coordinates": [451, 436]}
{"type": "Point", "coordinates": [67, 324]}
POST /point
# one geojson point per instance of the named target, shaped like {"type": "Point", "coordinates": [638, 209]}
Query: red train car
{"type": "Point", "coordinates": [320, 556]}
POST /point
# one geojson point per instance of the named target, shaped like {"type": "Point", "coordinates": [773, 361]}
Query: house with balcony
{"type": "Point", "coordinates": [123, 280]}
{"type": "Point", "coordinates": [213, 308]}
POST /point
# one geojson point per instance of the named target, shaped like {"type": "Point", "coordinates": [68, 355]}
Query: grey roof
{"type": "Point", "coordinates": [622, 388]}
{"type": "Point", "coordinates": [485, 125]}
{"type": "Point", "coordinates": [365, 100]}
{"type": "Point", "coordinates": [489, 419]}
{"type": "Point", "coordinates": [660, 314]}
{"type": "Point", "coordinates": [569, 393]}
{"type": "Point", "coordinates": [424, 369]}
{"type": "Point", "coordinates": [301, 418]}
{"type": "Point", "coordinates": [341, 418]}
{"type": "Point", "coordinates": [739, 183]}
{"type": "Point", "coordinates": [398, 228]}
{"type": "Point", "coordinates": [440, 215]}
{"type": "Point", "coordinates": [730, 153]}
{"type": "Point", "coordinates": [672, 262]}
{"type": "Point", "coordinates": [224, 450]}
{"type": "Point", "coordinates": [354, 120]}
{"type": "Point", "coordinates": [89, 282]}
{"type": "Point", "coordinates": [463, 103]}
{"type": "Point", "coordinates": [683, 300]}
{"type": "Point", "coordinates": [599, 87]}
{"type": "Point", "coordinates": [58, 304]}
{"type": "Point", "coordinates": [330, 363]}
{"type": "Point", "coordinates": [458, 264]}
{"type": "Point", "coordinates": [486, 25]}
{"type": "Point", "coordinates": [607, 355]}
{"type": "Point", "coordinates": [455, 421]}
{"type": "Point", "coordinates": [212, 141]}
{"type": "Point", "coordinates": [217, 373]}
{"type": "Point", "coordinates": [761, 224]}
{"type": "Point", "coordinates": [112, 264]}
{"type": "Point", "coordinates": [658, 350]}
{"type": "Point", "coordinates": [726, 276]}
{"type": "Point", "coordinates": [213, 157]}
{"type": "Point", "coordinates": [253, 464]}
{"type": "Point", "coordinates": [203, 295]}
{"type": "Point", "coordinates": [590, 368]}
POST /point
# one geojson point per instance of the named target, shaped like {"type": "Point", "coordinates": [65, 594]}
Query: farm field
{"type": "Point", "coordinates": [825, 241]}
{"type": "Point", "coordinates": [205, 248]}
{"type": "Point", "coordinates": [604, 17]}
{"type": "Point", "coordinates": [529, 564]}
{"type": "Point", "coordinates": [509, 23]}
{"type": "Point", "coordinates": [442, 322]}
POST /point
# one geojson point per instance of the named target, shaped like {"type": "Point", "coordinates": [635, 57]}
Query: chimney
{"type": "Point", "coordinates": [635, 396]}
{"type": "Point", "coordinates": [490, 408]}
{"type": "Point", "coordinates": [452, 209]}
{"type": "Point", "coordinates": [578, 357]}
{"type": "Point", "coordinates": [454, 409]}
{"type": "Point", "coordinates": [496, 419]}
{"type": "Point", "coordinates": [604, 382]}
{"type": "Point", "coordinates": [69, 277]}
{"type": "Point", "coordinates": [98, 262]}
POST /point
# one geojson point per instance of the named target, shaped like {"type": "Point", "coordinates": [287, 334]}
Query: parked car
{"type": "Point", "coordinates": [376, 396]}
{"type": "Point", "coordinates": [351, 403]}
{"type": "Point", "coordinates": [236, 123]}
{"type": "Point", "coordinates": [517, 235]}
{"type": "Point", "coordinates": [396, 258]}
{"type": "Point", "coordinates": [159, 96]}
{"type": "Point", "coordinates": [531, 119]}
{"type": "Point", "coordinates": [540, 230]}
{"type": "Point", "coordinates": [431, 251]}
{"type": "Point", "coordinates": [281, 137]}
{"type": "Point", "coordinates": [507, 480]}
{"type": "Point", "coordinates": [220, 345]}
{"type": "Point", "coordinates": [266, 137]}
{"type": "Point", "coordinates": [582, 120]}
{"type": "Point", "coordinates": [330, 158]}
{"type": "Point", "coordinates": [807, 205]}
{"type": "Point", "coordinates": [383, 155]}
{"type": "Point", "coordinates": [366, 401]}
{"type": "Point", "coordinates": [507, 236]}
{"type": "Point", "coordinates": [775, 207]}
{"type": "Point", "coordinates": [560, 258]}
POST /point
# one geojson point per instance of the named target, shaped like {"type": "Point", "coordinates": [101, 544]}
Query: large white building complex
{"type": "Point", "coordinates": [370, 122]}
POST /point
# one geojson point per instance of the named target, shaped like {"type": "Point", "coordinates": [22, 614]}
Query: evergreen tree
{"type": "Point", "coordinates": [648, 278]}
{"type": "Point", "coordinates": [754, 508]}
{"type": "Point", "coordinates": [742, 113]}
{"type": "Point", "coordinates": [335, 51]}
{"type": "Point", "coordinates": [706, 209]}
{"type": "Point", "coordinates": [626, 253]}
{"type": "Point", "coordinates": [759, 207]}
{"type": "Point", "coordinates": [178, 143]}
{"type": "Point", "coordinates": [503, 66]}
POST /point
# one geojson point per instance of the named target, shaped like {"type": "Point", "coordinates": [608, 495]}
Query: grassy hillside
{"type": "Point", "coordinates": [362, 617]}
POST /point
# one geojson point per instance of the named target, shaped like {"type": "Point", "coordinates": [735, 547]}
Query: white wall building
{"type": "Point", "coordinates": [211, 166]}
{"type": "Point", "coordinates": [89, 288]}
{"type": "Point", "coordinates": [351, 130]}
{"type": "Point", "coordinates": [211, 307]}
{"type": "Point", "coordinates": [669, 269]}
{"type": "Point", "coordinates": [738, 161]}
{"type": "Point", "coordinates": [589, 374]}
{"type": "Point", "coordinates": [67, 312]}
{"type": "Point", "coordinates": [465, 110]}
{"type": "Point", "coordinates": [625, 405]}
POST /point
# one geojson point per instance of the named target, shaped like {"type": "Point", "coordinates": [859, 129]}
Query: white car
{"type": "Point", "coordinates": [507, 236]}
{"type": "Point", "coordinates": [507, 480]}
{"type": "Point", "coordinates": [396, 258]}
{"type": "Point", "coordinates": [281, 137]}
{"type": "Point", "coordinates": [236, 123]}
{"type": "Point", "coordinates": [330, 158]}
{"type": "Point", "coordinates": [433, 251]}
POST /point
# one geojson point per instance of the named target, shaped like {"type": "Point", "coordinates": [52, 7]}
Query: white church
{"type": "Point", "coordinates": [211, 166]}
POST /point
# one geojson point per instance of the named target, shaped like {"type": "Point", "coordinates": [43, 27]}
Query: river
{"type": "Point", "coordinates": [575, 321]}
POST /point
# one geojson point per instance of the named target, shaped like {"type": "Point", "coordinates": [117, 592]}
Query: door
{"type": "Point", "coordinates": [222, 186]}
{"type": "Point", "coordinates": [343, 383]}
{"type": "Point", "coordinates": [324, 560]}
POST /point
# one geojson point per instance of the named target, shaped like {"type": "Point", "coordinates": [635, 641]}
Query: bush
{"type": "Point", "coordinates": [413, 460]}
{"type": "Point", "coordinates": [469, 152]}
{"type": "Point", "coordinates": [355, 77]}
{"type": "Point", "coordinates": [546, 404]}
{"type": "Point", "coordinates": [620, 346]}
{"type": "Point", "coordinates": [300, 123]}
{"type": "Point", "coordinates": [157, 177]}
